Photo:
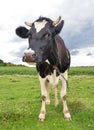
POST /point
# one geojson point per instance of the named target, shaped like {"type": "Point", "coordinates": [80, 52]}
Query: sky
{"type": "Point", "coordinates": [78, 30]}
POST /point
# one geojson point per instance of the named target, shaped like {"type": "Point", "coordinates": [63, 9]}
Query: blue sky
{"type": "Point", "coordinates": [78, 30]}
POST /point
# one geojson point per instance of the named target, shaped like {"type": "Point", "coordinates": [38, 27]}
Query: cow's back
{"type": "Point", "coordinates": [63, 54]}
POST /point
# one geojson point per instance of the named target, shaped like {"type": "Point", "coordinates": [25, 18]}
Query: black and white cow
{"type": "Point", "coordinates": [52, 58]}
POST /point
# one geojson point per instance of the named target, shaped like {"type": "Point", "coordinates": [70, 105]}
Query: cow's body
{"type": "Point", "coordinates": [52, 59]}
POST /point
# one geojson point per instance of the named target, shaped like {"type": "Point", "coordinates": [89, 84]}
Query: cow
{"type": "Point", "coordinates": [47, 49]}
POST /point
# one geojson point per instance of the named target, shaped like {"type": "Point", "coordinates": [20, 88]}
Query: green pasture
{"type": "Point", "coordinates": [20, 100]}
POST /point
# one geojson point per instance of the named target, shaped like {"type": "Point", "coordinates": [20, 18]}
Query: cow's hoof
{"type": "Point", "coordinates": [41, 117]}
{"type": "Point", "coordinates": [67, 116]}
{"type": "Point", "coordinates": [48, 101]}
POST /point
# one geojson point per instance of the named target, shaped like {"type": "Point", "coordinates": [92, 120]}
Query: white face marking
{"type": "Point", "coordinates": [40, 25]}
{"type": "Point", "coordinates": [30, 51]}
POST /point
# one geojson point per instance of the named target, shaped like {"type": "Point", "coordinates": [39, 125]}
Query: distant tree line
{"type": "Point", "coordinates": [2, 63]}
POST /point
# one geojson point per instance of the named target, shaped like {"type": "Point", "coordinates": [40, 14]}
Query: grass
{"type": "Point", "coordinates": [20, 101]}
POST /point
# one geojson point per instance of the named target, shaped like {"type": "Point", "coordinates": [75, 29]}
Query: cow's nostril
{"type": "Point", "coordinates": [34, 55]}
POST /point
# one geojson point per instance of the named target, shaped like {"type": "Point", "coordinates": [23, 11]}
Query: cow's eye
{"type": "Point", "coordinates": [47, 35]}
{"type": "Point", "coordinates": [30, 36]}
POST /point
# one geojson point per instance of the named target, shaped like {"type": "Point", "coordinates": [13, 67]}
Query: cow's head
{"type": "Point", "coordinates": [41, 38]}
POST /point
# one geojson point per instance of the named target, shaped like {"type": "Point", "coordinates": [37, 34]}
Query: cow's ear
{"type": "Point", "coordinates": [22, 32]}
{"type": "Point", "coordinates": [58, 28]}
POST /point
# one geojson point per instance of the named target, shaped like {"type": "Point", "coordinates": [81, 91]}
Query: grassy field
{"type": "Point", "coordinates": [20, 100]}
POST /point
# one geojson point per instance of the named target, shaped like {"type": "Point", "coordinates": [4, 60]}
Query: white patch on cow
{"type": "Point", "coordinates": [43, 93]}
{"type": "Point", "coordinates": [40, 25]}
{"type": "Point", "coordinates": [53, 79]}
{"type": "Point", "coordinates": [64, 77]}
{"type": "Point", "coordinates": [47, 61]}
{"type": "Point", "coordinates": [56, 95]}
{"type": "Point", "coordinates": [30, 51]}
{"type": "Point", "coordinates": [43, 88]}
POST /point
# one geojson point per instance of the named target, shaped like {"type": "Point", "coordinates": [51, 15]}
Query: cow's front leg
{"type": "Point", "coordinates": [66, 112]}
{"type": "Point", "coordinates": [48, 90]}
{"type": "Point", "coordinates": [56, 96]}
{"type": "Point", "coordinates": [44, 96]}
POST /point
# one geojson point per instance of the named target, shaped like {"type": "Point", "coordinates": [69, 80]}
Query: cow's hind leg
{"type": "Point", "coordinates": [48, 90]}
{"type": "Point", "coordinates": [56, 95]}
{"type": "Point", "coordinates": [44, 97]}
{"type": "Point", "coordinates": [66, 112]}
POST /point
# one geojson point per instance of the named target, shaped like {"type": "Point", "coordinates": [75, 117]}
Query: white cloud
{"type": "Point", "coordinates": [82, 59]}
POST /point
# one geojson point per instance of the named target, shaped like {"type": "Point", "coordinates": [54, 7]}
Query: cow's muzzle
{"type": "Point", "coordinates": [29, 56]}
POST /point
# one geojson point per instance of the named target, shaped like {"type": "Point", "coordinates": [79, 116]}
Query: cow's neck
{"type": "Point", "coordinates": [46, 68]}
{"type": "Point", "coordinates": [53, 57]}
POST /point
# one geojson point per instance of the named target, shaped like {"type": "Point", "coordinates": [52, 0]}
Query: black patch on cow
{"type": "Point", "coordinates": [45, 69]}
